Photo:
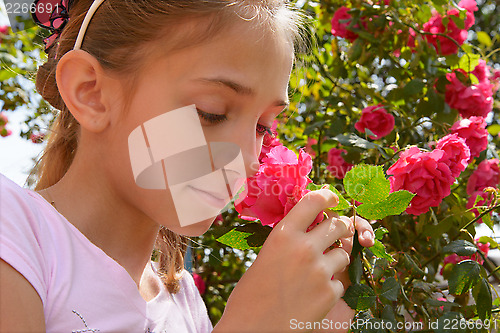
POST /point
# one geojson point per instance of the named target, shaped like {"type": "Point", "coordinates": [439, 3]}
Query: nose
{"type": "Point", "coordinates": [250, 147]}
{"type": "Point", "coordinates": [251, 162]}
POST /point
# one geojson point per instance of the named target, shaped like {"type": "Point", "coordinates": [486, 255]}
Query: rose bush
{"type": "Point", "coordinates": [435, 66]}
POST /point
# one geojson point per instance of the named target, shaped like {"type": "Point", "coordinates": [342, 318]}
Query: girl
{"type": "Point", "coordinates": [75, 253]}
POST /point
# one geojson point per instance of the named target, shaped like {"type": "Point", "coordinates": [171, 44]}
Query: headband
{"type": "Point", "coordinates": [85, 24]}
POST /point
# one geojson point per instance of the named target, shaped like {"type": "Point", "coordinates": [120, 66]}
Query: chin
{"type": "Point", "coordinates": [193, 230]}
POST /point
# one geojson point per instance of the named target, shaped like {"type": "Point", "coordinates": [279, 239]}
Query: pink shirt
{"type": "Point", "coordinates": [83, 289]}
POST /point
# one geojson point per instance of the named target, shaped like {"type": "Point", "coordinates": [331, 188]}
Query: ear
{"type": "Point", "coordinates": [80, 78]}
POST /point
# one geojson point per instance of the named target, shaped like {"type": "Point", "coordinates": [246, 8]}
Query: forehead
{"type": "Point", "coordinates": [250, 52]}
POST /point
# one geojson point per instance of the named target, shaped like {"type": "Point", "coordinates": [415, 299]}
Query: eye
{"type": "Point", "coordinates": [218, 118]}
{"type": "Point", "coordinates": [211, 118]}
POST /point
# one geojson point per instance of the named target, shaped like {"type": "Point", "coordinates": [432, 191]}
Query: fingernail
{"type": "Point", "coordinates": [368, 235]}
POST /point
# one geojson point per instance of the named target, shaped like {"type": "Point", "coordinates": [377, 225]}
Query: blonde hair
{"type": "Point", "coordinates": [116, 37]}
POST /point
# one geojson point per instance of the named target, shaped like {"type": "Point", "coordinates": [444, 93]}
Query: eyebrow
{"type": "Point", "coordinates": [238, 88]}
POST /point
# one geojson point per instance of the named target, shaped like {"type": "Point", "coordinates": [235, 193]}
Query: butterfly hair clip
{"type": "Point", "coordinates": [52, 15]}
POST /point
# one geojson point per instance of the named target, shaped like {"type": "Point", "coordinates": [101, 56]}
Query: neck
{"type": "Point", "coordinates": [122, 232]}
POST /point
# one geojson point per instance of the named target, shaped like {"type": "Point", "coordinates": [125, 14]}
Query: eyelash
{"type": "Point", "coordinates": [218, 118]}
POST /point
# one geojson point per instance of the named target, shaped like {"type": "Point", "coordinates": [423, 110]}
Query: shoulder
{"type": "Point", "coordinates": [18, 209]}
{"type": "Point", "coordinates": [23, 233]}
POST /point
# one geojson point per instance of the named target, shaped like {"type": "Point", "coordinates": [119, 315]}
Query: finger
{"type": "Point", "coordinates": [347, 244]}
{"type": "Point", "coordinates": [366, 236]}
{"type": "Point", "coordinates": [330, 230]}
{"type": "Point", "coordinates": [305, 211]}
{"type": "Point", "coordinates": [338, 289]}
{"type": "Point", "coordinates": [337, 260]}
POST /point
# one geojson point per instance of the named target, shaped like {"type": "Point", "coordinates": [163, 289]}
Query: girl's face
{"type": "Point", "coordinates": [238, 82]}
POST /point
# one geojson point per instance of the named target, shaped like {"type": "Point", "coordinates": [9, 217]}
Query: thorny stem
{"type": "Point", "coordinates": [477, 218]}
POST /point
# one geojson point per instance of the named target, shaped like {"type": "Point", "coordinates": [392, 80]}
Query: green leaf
{"type": "Point", "coordinates": [390, 289]}
{"type": "Point", "coordinates": [412, 266]}
{"type": "Point", "coordinates": [464, 276]}
{"type": "Point", "coordinates": [380, 232]}
{"type": "Point", "coordinates": [460, 247]}
{"type": "Point", "coordinates": [413, 87]}
{"type": "Point", "coordinates": [433, 230]}
{"type": "Point", "coordinates": [395, 204]}
{"type": "Point", "coordinates": [355, 269]}
{"type": "Point", "coordinates": [367, 183]}
{"type": "Point", "coordinates": [468, 62]}
{"type": "Point", "coordinates": [486, 239]}
{"type": "Point", "coordinates": [450, 323]}
{"type": "Point", "coordinates": [235, 239]}
{"type": "Point", "coordinates": [379, 251]}
{"type": "Point", "coordinates": [356, 50]}
{"type": "Point", "coordinates": [313, 127]}
{"type": "Point", "coordinates": [343, 203]}
{"type": "Point", "coordinates": [250, 235]}
{"type": "Point", "coordinates": [484, 38]}
{"type": "Point", "coordinates": [352, 140]}
{"type": "Point", "coordinates": [388, 315]}
{"type": "Point", "coordinates": [483, 297]}
{"type": "Point", "coordinates": [359, 297]}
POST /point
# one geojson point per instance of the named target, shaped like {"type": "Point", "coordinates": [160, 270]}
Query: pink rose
{"type": "Point", "coordinates": [482, 202]}
{"type": "Point", "coordinates": [470, 6]}
{"type": "Point", "coordinates": [337, 166]}
{"type": "Point", "coordinates": [377, 120]}
{"type": "Point", "coordinates": [457, 153]}
{"type": "Point", "coordinates": [474, 100]}
{"type": "Point", "coordinates": [486, 175]}
{"type": "Point", "coordinates": [425, 174]}
{"type": "Point", "coordinates": [340, 21]}
{"type": "Point", "coordinates": [200, 284]}
{"type": "Point", "coordinates": [473, 130]}
{"type": "Point", "coordinates": [308, 148]}
{"type": "Point", "coordinates": [443, 45]}
{"type": "Point", "coordinates": [280, 183]}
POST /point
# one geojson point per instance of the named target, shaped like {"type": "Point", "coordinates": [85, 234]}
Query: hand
{"type": "Point", "coordinates": [290, 281]}
{"type": "Point", "coordinates": [341, 314]}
